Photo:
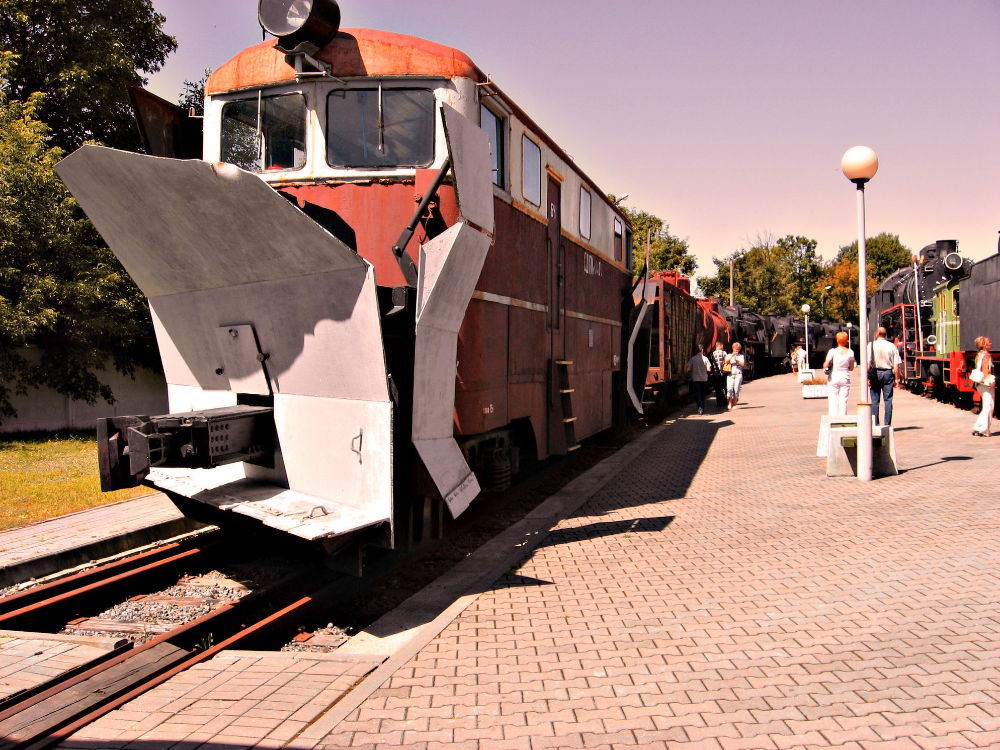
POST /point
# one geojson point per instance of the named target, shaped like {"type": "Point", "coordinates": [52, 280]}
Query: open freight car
{"type": "Point", "coordinates": [328, 376]}
{"type": "Point", "coordinates": [670, 330]}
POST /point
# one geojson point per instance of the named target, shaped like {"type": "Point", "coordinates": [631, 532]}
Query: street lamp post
{"type": "Point", "coordinates": [849, 326]}
{"type": "Point", "coordinates": [806, 309]}
{"type": "Point", "coordinates": [859, 165]}
{"type": "Point", "coordinates": [732, 277]}
{"type": "Point", "coordinates": [732, 287]}
{"type": "Point", "coordinates": [822, 298]}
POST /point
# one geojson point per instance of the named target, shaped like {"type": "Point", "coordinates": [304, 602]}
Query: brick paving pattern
{"type": "Point", "coordinates": [720, 593]}
{"type": "Point", "coordinates": [243, 699]}
{"type": "Point", "coordinates": [30, 659]}
{"type": "Point", "coordinates": [85, 527]}
{"type": "Point", "coordinates": [724, 594]}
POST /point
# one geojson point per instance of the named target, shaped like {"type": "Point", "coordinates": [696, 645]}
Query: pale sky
{"type": "Point", "coordinates": [727, 118]}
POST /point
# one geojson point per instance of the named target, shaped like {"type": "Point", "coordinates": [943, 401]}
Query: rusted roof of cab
{"type": "Point", "coordinates": [353, 52]}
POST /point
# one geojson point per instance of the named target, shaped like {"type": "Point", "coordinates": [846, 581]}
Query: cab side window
{"type": "Point", "coordinates": [531, 171]}
{"type": "Point", "coordinates": [496, 130]}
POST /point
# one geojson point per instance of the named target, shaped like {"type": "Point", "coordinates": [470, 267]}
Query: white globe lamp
{"type": "Point", "coordinates": [859, 164]}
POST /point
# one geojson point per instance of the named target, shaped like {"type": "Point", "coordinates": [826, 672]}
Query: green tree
{"type": "Point", "coordinates": [885, 255]}
{"type": "Point", "coordinates": [667, 252]}
{"type": "Point", "coordinates": [67, 307]}
{"type": "Point", "coordinates": [81, 54]}
{"type": "Point", "coordinates": [193, 94]}
{"type": "Point", "coordinates": [772, 276]}
{"type": "Point", "coordinates": [842, 300]}
{"type": "Point", "coordinates": [806, 271]}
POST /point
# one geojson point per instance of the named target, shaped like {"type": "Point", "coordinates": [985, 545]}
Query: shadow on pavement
{"type": "Point", "coordinates": [605, 528]}
{"type": "Point", "coordinates": [515, 580]}
{"type": "Point", "coordinates": [944, 460]}
{"type": "Point", "coordinates": [664, 471]}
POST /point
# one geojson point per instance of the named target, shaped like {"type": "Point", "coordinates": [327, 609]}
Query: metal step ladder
{"type": "Point", "coordinates": [566, 396]}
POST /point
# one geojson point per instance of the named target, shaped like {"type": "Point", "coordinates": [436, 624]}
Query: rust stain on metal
{"type": "Point", "coordinates": [354, 52]}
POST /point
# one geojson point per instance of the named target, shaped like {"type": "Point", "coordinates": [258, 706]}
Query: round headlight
{"type": "Point", "coordinates": [315, 22]}
{"type": "Point", "coordinates": [283, 17]}
{"type": "Point", "coordinates": [953, 261]}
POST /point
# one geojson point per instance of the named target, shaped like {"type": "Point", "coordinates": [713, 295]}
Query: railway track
{"type": "Point", "coordinates": [50, 712]}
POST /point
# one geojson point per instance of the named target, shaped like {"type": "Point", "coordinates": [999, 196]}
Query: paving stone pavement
{"type": "Point", "coordinates": [724, 593]}
{"type": "Point", "coordinates": [721, 592]}
{"type": "Point", "coordinates": [29, 659]}
{"type": "Point", "coordinates": [237, 699]}
{"type": "Point", "coordinates": [45, 547]}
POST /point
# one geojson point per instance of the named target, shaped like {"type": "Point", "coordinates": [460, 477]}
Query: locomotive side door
{"type": "Point", "coordinates": [556, 325]}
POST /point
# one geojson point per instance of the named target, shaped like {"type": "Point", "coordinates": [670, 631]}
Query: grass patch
{"type": "Point", "coordinates": [50, 475]}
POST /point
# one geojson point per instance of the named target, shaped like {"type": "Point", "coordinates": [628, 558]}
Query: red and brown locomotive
{"type": "Point", "coordinates": [324, 370]}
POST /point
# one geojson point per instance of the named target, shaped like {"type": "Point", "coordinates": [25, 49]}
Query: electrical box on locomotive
{"type": "Point", "coordinates": [326, 375]}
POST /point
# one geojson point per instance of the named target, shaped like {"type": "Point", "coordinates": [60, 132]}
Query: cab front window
{"type": "Point", "coordinates": [380, 128]}
{"type": "Point", "coordinates": [265, 133]}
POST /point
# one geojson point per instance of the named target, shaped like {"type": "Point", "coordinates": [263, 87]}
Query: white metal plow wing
{"type": "Point", "coordinates": [450, 266]}
{"type": "Point", "coordinates": [251, 296]}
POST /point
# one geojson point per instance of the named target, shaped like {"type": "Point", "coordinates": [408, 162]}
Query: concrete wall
{"type": "Point", "coordinates": [45, 410]}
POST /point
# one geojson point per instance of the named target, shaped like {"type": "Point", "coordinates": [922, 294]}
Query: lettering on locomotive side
{"type": "Point", "coordinates": [488, 409]}
{"type": "Point", "coordinates": [592, 265]}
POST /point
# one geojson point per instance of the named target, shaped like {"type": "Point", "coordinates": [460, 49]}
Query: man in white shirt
{"type": "Point", "coordinates": [884, 356]}
{"type": "Point", "coordinates": [800, 357]}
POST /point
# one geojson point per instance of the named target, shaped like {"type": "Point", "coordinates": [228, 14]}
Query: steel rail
{"type": "Point", "coordinates": [65, 732]}
{"type": "Point", "coordinates": [61, 682]}
{"type": "Point", "coordinates": [58, 720]}
{"type": "Point", "coordinates": [91, 587]}
{"type": "Point", "coordinates": [44, 591]}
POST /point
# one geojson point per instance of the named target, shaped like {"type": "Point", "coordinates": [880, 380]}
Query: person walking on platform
{"type": "Point", "coordinates": [800, 359]}
{"type": "Point", "coordinates": [718, 376]}
{"type": "Point", "coordinates": [699, 367]}
{"type": "Point", "coordinates": [735, 363]}
{"type": "Point", "coordinates": [884, 357]}
{"type": "Point", "coordinates": [987, 386]}
{"type": "Point", "coordinates": [838, 365]}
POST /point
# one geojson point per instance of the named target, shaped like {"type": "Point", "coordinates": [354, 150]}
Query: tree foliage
{"type": "Point", "coordinates": [193, 94]}
{"type": "Point", "coordinates": [62, 291]}
{"type": "Point", "coordinates": [772, 276]}
{"type": "Point", "coordinates": [667, 252]}
{"type": "Point", "coordinates": [81, 54]}
{"type": "Point", "coordinates": [842, 300]}
{"type": "Point", "coordinates": [884, 252]}
{"type": "Point", "coordinates": [780, 275]}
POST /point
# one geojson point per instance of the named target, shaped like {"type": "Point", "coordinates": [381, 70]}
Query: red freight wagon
{"type": "Point", "coordinates": [674, 326]}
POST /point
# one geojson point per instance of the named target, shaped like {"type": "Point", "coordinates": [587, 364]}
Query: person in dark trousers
{"type": "Point", "coordinates": [718, 377]}
{"type": "Point", "coordinates": [699, 367]}
{"type": "Point", "coordinates": [884, 357]}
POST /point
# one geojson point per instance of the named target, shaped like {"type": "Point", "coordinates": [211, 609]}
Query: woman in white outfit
{"type": "Point", "coordinates": [838, 385]}
{"type": "Point", "coordinates": [735, 377]}
{"type": "Point", "coordinates": [987, 388]}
